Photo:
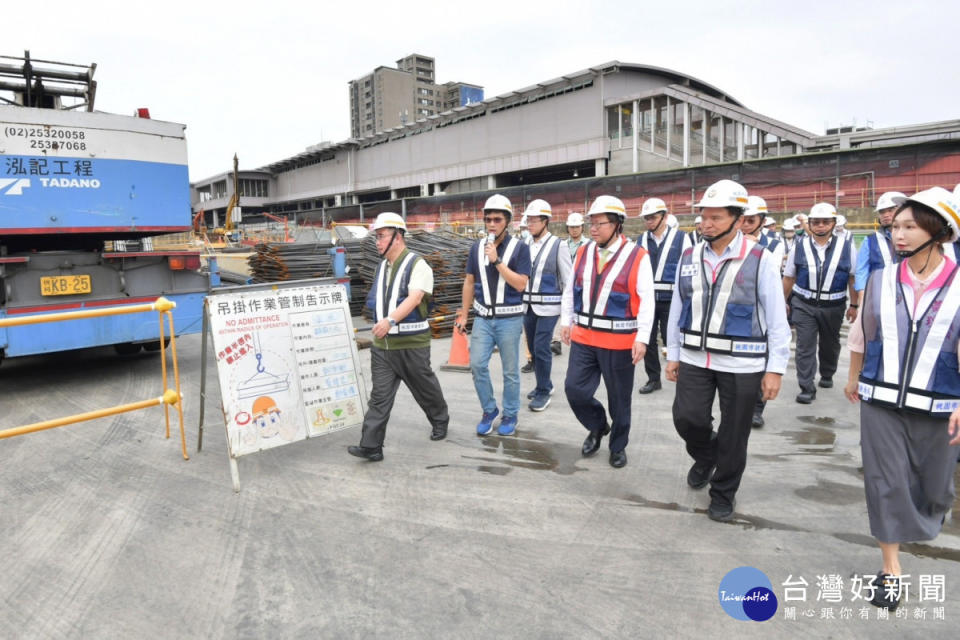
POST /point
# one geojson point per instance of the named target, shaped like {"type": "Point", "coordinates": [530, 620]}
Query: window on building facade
{"type": "Point", "coordinates": [219, 189]}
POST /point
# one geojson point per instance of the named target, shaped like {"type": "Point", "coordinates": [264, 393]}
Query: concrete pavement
{"type": "Point", "coordinates": [108, 532]}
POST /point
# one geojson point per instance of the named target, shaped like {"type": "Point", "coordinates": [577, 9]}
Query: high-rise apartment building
{"type": "Point", "coordinates": [390, 97]}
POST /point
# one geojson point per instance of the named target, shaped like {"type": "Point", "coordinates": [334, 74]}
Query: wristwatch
{"type": "Point", "coordinates": [392, 322]}
{"type": "Point", "coordinates": [497, 262]}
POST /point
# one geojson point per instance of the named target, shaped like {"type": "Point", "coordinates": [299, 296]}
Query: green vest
{"type": "Point", "coordinates": [414, 341]}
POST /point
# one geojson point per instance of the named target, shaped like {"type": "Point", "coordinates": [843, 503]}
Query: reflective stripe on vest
{"type": "Point", "coordinates": [911, 362]}
{"type": "Point", "coordinates": [539, 291]}
{"type": "Point", "coordinates": [734, 292]}
{"type": "Point", "coordinates": [827, 281]}
{"type": "Point", "coordinates": [591, 303]}
{"type": "Point", "coordinates": [495, 306]}
{"type": "Point", "coordinates": [665, 259]}
{"type": "Point", "coordinates": [387, 301]}
{"type": "Point", "coordinates": [880, 251]}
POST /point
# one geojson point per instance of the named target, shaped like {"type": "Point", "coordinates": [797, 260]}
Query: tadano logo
{"type": "Point", "coordinates": [747, 594]}
{"type": "Point", "coordinates": [13, 186]}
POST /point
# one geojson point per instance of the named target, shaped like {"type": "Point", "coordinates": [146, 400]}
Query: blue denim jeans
{"type": "Point", "coordinates": [504, 333]}
{"type": "Point", "coordinates": [539, 332]}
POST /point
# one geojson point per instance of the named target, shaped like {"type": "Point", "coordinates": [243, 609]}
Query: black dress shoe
{"type": "Point", "coordinates": [438, 433]}
{"type": "Point", "coordinates": [527, 368]}
{"type": "Point", "coordinates": [887, 591]}
{"type": "Point", "coordinates": [700, 474]}
{"type": "Point", "coordinates": [373, 454]}
{"type": "Point", "coordinates": [592, 444]}
{"type": "Point", "coordinates": [618, 459]}
{"type": "Point", "coordinates": [806, 397]}
{"type": "Point", "coordinates": [757, 422]}
{"type": "Point", "coordinates": [556, 348]}
{"type": "Point", "coordinates": [720, 511]}
{"type": "Point", "coordinates": [650, 387]}
{"type": "Point", "coordinates": [826, 383]}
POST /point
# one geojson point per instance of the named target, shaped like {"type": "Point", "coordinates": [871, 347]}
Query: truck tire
{"type": "Point", "coordinates": [127, 348]}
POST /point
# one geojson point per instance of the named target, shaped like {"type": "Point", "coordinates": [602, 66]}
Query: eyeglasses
{"type": "Point", "coordinates": [816, 221]}
{"type": "Point", "coordinates": [496, 220]}
{"type": "Point", "coordinates": [594, 225]}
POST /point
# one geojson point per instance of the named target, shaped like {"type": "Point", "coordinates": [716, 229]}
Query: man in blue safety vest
{"type": "Point", "coordinates": [400, 352]}
{"type": "Point", "coordinates": [817, 278]}
{"type": "Point", "coordinates": [664, 244]}
{"type": "Point", "coordinates": [727, 334]}
{"type": "Point", "coordinates": [497, 270]}
{"type": "Point", "coordinates": [876, 250]}
{"type": "Point", "coordinates": [550, 269]}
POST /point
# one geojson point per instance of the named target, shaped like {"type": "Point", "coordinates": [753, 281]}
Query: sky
{"type": "Point", "coordinates": [265, 80]}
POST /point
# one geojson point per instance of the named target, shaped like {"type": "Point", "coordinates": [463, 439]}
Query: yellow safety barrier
{"type": "Point", "coordinates": [170, 396]}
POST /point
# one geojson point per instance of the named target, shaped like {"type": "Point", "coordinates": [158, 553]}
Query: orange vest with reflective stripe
{"type": "Point", "coordinates": [623, 285]}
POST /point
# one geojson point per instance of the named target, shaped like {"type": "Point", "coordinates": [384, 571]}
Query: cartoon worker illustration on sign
{"type": "Point", "coordinates": [270, 420]}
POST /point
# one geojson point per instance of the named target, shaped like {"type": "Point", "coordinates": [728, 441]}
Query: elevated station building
{"type": "Point", "coordinates": [628, 129]}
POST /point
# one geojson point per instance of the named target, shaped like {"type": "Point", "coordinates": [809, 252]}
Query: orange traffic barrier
{"type": "Point", "coordinates": [459, 359]}
{"type": "Point", "coordinates": [170, 396]}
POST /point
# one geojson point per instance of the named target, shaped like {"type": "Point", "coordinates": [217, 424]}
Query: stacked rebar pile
{"type": "Point", "coordinates": [281, 261]}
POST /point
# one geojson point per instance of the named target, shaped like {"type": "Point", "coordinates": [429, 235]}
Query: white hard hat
{"type": "Point", "coordinates": [698, 220]}
{"type": "Point", "coordinates": [956, 192]}
{"type": "Point", "coordinates": [652, 206]}
{"type": "Point", "coordinates": [672, 221]}
{"type": "Point", "coordinates": [608, 204]}
{"type": "Point", "coordinates": [756, 206]}
{"type": "Point", "coordinates": [841, 220]}
{"type": "Point", "coordinates": [769, 221]}
{"type": "Point", "coordinates": [497, 202]}
{"type": "Point", "coordinates": [523, 222]}
{"type": "Point", "coordinates": [889, 200]}
{"type": "Point", "coordinates": [725, 193]}
{"type": "Point", "coordinates": [800, 218]}
{"type": "Point", "coordinates": [944, 203]}
{"type": "Point", "coordinates": [575, 220]}
{"type": "Point", "coordinates": [789, 224]}
{"type": "Point", "coordinates": [389, 220]}
{"type": "Point", "coordinates": [538, 208]}
{"type": "Point", "coordinates": [823, 210]}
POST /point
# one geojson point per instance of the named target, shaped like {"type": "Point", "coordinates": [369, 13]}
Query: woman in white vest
{"type": "Point", "coordinates": [903, 365]}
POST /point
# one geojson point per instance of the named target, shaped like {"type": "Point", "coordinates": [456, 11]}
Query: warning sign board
{"type": "Point", "coordinates": [287, 363]}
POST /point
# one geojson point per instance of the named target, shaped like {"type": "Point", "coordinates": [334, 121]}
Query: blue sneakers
{"type": "Point", "coordinates": [540, 402]}
{"type": "Point", "coordinates": [507, 425]}
{"type": "Point", "coordinates": [485, 425]}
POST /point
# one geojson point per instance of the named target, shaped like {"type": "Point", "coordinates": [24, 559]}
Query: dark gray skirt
{"type": "Point", "coordinates": [907, 473]}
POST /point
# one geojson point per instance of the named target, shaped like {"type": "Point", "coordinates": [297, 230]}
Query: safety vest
{"type": "Point", "coordinates": [721, 314]}
{"type": "Point", "coordinates": [492, 297]}
{"type": "Point", "coordinates": [880, 249]}
{"type": "Point", "coordinates": [384, 298]}
{"type": "Point", "coordinates": [605, 302]}
{"type": "Point", "coordinates": [911, 362]}
{"type": "Point", "coordinates": [824, 282]}
{"type": "Point", "coordinates": [664, 259]}
{"type": "Point", "coordinates": [543, 285]}
{"type": "Point", "coordinates": [952, 251]}
{"type": "Point", "coordinates": [768, 242]}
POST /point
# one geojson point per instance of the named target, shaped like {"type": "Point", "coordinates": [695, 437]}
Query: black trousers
{"type": "Point", "coordinates": [389, 368]}
{"type": "Point", "coordinates": [818, 334]}
{"type": "Point", "coordinates": [696, 389]}
{"type": "Point", "coordinates": [651, 361]}
{"type": "Point", "coordinates": [585, 367]}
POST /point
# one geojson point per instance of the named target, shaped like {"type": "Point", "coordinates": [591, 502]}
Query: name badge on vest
{"type": "Point", "coordinates": [689, 271]}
